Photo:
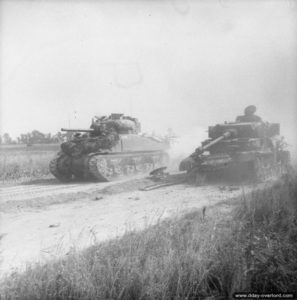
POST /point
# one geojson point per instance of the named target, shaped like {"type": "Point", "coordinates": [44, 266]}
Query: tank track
{"type": "Point", "coordinates": [60, 167]}
{"type": "Point", "coordinates": [263, 168]}
{"type": "Point", "coordinates": [109, 167]}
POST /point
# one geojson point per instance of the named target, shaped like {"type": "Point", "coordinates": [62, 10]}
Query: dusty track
{"type": "Point", "coordinates": [57, 217]}
{"type": "Point", "coordinates": [47, 192]}
{"type": "Point", "coordinates": [22, 192]}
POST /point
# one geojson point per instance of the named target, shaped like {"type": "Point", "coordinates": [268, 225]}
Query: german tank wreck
{"type": "Point", "coordinates": [112, 148]}
{"type": "Point", "coordinates": [244, 149]}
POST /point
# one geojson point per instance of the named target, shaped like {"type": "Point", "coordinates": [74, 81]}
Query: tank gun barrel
{"type": "Point", "coordinates": [77, 130]}
{"type": "Point", "coordinates": [201, 149]}
{"type": "Point", "coordinates": [224, 136]}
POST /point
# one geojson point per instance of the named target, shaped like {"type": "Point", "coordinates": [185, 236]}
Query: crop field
{"type": "Point", "coordinates": [23, 162]}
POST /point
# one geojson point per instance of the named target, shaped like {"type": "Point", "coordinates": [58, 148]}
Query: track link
{"type": "Point", "coordinates": [60, 167]}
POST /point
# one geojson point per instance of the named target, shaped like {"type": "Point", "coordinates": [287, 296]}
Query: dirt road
{"type": "Point", "coordinates": [45, 188]}
{"type": "Point", "coordinates": [45, 220]}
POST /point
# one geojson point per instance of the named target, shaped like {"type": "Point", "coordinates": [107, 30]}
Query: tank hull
{"type": "Point", "coordinates": [133, 154]}
{"type": "Point", "coordinates": [256, 165]}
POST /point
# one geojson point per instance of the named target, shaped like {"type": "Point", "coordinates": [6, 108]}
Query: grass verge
{"type": "Point", "coordinates": [249, 245]}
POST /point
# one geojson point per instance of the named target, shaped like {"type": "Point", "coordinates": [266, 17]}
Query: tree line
{"type": "Point", "coordinates": [35, 137]}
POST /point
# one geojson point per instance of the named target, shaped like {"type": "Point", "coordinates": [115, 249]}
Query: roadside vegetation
{"type": "Point", "coordinates": [247, 244]}
{"type": "Point", "coordinates": [22, 162]}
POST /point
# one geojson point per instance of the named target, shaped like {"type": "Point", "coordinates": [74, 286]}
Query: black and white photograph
{"type": "Point", "coordinates": [148, 149]}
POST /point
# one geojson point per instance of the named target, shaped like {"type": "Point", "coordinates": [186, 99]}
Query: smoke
{"type": "Point", "coordinates": [225, 57]}
{"type": "Point", "coordinates": [185, 145]}
{"type": "Point", "coordinates": [292, 148]}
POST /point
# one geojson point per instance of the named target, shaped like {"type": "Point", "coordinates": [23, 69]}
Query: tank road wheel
{"type": "Point", "coordinates": [118, 170]}
{"type": "Point", "coordinates": [129, 169]}
{"type": "Point", "coordinates": [138, 164]}
{"type": "Point", "coordinates": [105, 169]}
{"type": "Point", "coordinates": [100, 169]}
{"type": "Point", "coordinates": [126, 166]}
{"type": "Point", "coordinates": [147, 163]}
{"type": "Point", "coordinates": [94, 171]}
{"type": "Point", "coordinates": [148, 167]}
{"type": "Point", "coordinates": [60, 167]}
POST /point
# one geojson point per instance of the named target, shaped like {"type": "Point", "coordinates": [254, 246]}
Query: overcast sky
{"type": "Point", "coordinates": [177, 64]}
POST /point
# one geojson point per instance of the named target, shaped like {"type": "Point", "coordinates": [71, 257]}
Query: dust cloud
{"type": "Point", "coordinates": [183, 146]}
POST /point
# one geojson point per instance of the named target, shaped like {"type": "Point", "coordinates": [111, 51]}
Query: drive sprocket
{"type": "Point", "coordinates": [60, 167]}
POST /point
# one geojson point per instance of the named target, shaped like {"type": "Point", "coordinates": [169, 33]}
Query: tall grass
{"type": "Point", "coordinates": [244, 245]}
{"type": "Point", "coordinates": [26, 163]}
{"type": "Point", "coordinates": [270, 226]}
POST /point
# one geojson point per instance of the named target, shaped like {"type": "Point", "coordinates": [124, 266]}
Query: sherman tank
{"type": "Point", "coordinates": [247, 150]}
{"type": "Point", "coordinates": [112, 148]}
